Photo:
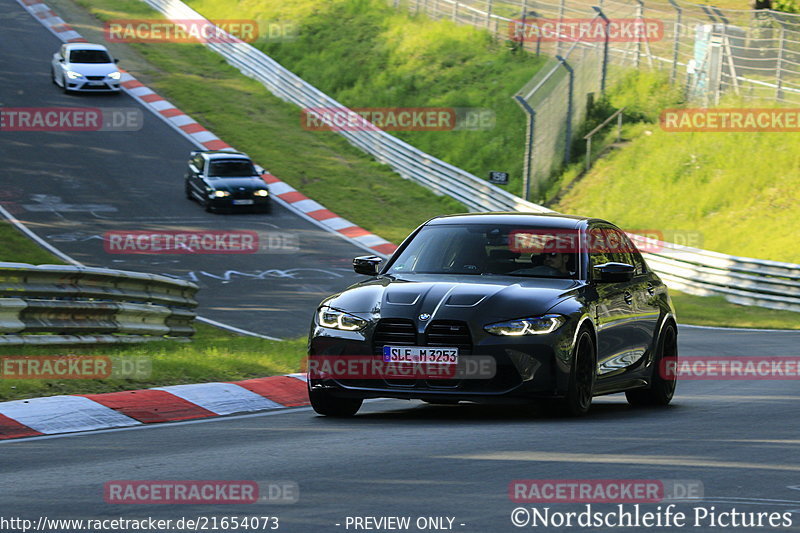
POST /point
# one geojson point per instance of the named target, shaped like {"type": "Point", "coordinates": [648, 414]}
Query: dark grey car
{"type": "Point", "coordinates": [565, 308]}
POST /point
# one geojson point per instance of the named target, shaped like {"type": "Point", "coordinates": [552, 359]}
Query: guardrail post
{"type": "Point", "coordinates": [527, 169]}
{"type": "Point", "coordinates": [455, 11]}
{"type": "Point", "coordinates": [676, 28]}
{"type": "Point", "coordinates": [568, 133]}
{"type": "Point", "coordinates": [489, 13]}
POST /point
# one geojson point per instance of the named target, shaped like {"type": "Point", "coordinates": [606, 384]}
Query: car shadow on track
{"type": "Point", "coordinates": [472, 413]}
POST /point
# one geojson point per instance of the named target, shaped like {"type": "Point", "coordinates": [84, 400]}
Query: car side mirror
{"type": "Point", "coordinates": [260, 169]}
{"type": "Point", "coordinates": [116, 60]}
{"type": "Point", "coordinates": [60, 59]}
{"type": "Point", "coordinates": [613, 272]}
{"type": "Point", "coordinates": [368, 265]}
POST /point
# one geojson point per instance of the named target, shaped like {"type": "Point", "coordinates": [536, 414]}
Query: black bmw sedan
{"type": "Point", "coordinates": [497, 307]}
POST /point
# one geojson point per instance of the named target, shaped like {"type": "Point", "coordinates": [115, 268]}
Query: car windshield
{"type": "Point", "coordinates": [89, 56]}
{"type": "Point", "coordinates": [231, 169]}
{"type": "Point", "coordinates": [482, 249]}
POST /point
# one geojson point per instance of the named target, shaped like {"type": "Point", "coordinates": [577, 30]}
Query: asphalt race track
{"type": "Point", "coordinates": [739, 439]}
{"type": "Point", "coordinates": [72, 187]}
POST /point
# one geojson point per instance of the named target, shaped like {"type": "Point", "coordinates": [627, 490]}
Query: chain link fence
{"type": "Point", "coordinates": [709, 52]}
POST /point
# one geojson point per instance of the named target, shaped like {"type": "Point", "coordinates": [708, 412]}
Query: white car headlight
{"type": "Point", "coordinates": [115, 75]}
{"type": "Point", "coordinates": [527, 326]}
{"type": "Point", "coordinates": [261, 192]}
{"type": "Point", "coordinates": [221, 194]}
{"type": "Point", "coordinates": [71, 74]}
{"type": "Point", "coordinates": [333, 318]}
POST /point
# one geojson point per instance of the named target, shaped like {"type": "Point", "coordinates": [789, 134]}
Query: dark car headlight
{"type": "Point", "coordinates": [333, 318]}
{"type": "Point", "coordinates": [537, 325]}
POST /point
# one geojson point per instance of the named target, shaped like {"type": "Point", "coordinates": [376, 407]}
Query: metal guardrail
{"type": "Point", "coordinates": [54, 304]}
{"type": "Point", "coordinates": [740, 279]}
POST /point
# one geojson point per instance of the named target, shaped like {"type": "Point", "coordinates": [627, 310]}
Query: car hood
{"type": "Point", "coordinates": [231, 184]}
{"type": "Point", "coordinates": [93, 69]}
{"type": "Point", "coordinates": [454, 297]}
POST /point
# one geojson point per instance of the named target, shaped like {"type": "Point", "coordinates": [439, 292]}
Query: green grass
{"type": "Point", "coordinates": [366, 54]}
{"type": "Point", "coordinates": [716, 311]}
{"type": "Point", "coordinates": [740, 190]}
{"type": "Point", "coordinates": [212, 355]}
{"type": "Point", "coordinates": [17, 248]}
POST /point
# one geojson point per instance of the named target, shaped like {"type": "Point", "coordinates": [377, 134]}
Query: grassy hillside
{"type": "Point", "coordinates": [366, 54]}
{"type": "Point", "coordinates": [740, 190]}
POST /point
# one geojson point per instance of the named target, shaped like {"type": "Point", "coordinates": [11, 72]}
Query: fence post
{"type": "Point", "coordinates": [639, 13]}
{"type": "Point", "coordinates": [779, 65]}
{"type": "Point", "coordinates": [455, 11]}
{"type": "Point", "coordinates": [676, 41]}
{"type": "Point", "coordinates": [416, 7]}
{"type": "Point", "coordinates": [560, 18]}
{"type": "Point", "coordinates": [527, 169]}
{"type": "Point", "coordinates": [604, 61]}
{"type": "Point", "coordinates": [488, 13]}
{"type": "Point", "coordinates": [570, 96]}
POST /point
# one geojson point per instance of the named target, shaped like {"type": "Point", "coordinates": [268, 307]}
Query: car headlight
{"type": "Point", "coordinates": [261, 192]}
{"type": "Point", "coordinates": [115, 75]}
{"type": "Point", "coordinates": [538, 325]}
{"type": "Point", "coordinates": [333, 318]}
{"type": "Point", "coordinates": [220, 194]}
{"type": "Point", "coordinates": [71, 74]}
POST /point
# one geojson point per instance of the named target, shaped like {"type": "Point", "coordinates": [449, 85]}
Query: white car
{"type": "Point", "coordinates": [85, 67]}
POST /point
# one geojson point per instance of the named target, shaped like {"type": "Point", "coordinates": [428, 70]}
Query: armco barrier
{"type": "Point", "coordinates": [740, 279]}
{"type": "Point", "coordinates": [54, 304]}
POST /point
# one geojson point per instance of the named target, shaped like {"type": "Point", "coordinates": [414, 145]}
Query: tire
{"type": "Point", "coordinates": [53, 76]}
{"type": "Point", "coordinates": [188, 191]}
{"type": "Point", "coordinates": [581, 379]}
{"type": "Point", "coordinates": [64, 85]}
{"type": "Point", "coordinates": [661, 389]}
{"type": "Point", "coordinates": [328, 405]}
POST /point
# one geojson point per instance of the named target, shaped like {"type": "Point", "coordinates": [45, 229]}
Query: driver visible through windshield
{"type": "Point", "coordinates": [491, 250]}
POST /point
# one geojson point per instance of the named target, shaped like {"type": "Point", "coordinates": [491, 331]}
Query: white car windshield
{"type": "Point", "coordinates": [89, 56]}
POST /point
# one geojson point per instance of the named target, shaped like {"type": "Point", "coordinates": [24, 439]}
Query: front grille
{"type": "Point", "coordinates": [395, 332]}
{"type": "Point", "coordinates": [449, 333]}
{"type": "Point", "coordinates": [95, 78]}
{"type": "Point", "coordinates": [242, 195]}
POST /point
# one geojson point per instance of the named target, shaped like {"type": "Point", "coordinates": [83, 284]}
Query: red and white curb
{"type": "Point", "coordinates": [69, 414]}
{"type": "Point", "coordinates": [204, 139]}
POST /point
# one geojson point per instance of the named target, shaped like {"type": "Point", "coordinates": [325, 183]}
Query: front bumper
{"type": "Point", "coordinates": [259, 203]}
{"type": "Point", "coordinates": [93, 86]}
{"type": "Point", "coordinates": [525, 368]}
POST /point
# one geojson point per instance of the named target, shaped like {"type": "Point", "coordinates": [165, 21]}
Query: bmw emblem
{"type": "Point", "coordinates": [424, 316]}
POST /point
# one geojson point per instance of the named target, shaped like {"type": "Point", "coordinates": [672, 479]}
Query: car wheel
{"type": "Point", "coordinates": [53, 76]}
{"type": "Point", "coordinates": [581, 379]}
{"type": "Point", "coordinates": [188, 190]}
{"type": "Point", "coordinates": [328, 405]}
{"type": "Point", "coordinates": [661, 389]}
{"type": "Point", "coordinates": [64, 85]}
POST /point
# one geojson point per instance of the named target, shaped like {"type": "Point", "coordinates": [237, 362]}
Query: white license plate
{"type": "Point", "coordinates": [96, 83]}
{"type": "Point", "coordinates": [420, 354]}
{"type": "Point", "coordinates": [243, 202]}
